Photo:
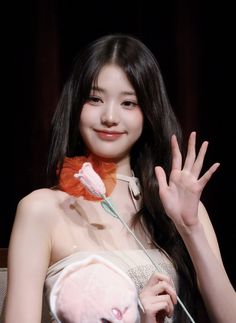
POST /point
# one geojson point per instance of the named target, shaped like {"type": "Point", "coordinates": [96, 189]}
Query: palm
{"type": "Point", "coordinates": [180, 197]}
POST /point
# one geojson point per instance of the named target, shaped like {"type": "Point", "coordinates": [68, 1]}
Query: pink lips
{"type": "Point", "coordinates": [108, 135]}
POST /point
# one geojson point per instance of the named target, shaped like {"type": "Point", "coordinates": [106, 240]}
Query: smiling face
{"type": "Point", "coordinates": [111, 120]}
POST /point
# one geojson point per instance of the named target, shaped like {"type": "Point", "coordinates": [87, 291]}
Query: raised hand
{"type": "Point", "coordinates": [181, 194]}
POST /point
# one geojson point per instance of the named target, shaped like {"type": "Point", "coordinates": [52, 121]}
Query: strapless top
{"type": "Point", "coordinates": [135, 263]}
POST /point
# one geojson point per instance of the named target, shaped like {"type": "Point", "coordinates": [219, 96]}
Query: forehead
{"type": "Point", "coordinates": [113, 75]}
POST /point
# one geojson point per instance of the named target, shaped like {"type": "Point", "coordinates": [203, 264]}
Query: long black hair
{"type": "Point", "coordinates": [153, 147]}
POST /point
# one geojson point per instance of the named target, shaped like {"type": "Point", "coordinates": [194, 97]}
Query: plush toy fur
{"type": "Point", "coordinates": [94, 291]}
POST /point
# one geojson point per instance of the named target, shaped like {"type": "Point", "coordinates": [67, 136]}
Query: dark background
{"type": "Point", "coordinates": [193, 42]}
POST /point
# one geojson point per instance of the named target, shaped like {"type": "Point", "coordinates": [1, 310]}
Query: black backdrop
{"type": "Point", "coordinates": [193, 42]}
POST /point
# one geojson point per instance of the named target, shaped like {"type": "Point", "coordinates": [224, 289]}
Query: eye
{"type": "Point", "coordinates": [129, 104]}
{"type": "Point", "coordinates": [94, 100]}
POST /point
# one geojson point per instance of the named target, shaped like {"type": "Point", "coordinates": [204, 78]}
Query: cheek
{"type": "Point", "coordinates": [136, 122]}
{"type": "Point", "coordinates": [87, 116]}
{"type": "Point", "coordinates": [84, 113]}
{"type": "Point", "coordinates": [83, 123]}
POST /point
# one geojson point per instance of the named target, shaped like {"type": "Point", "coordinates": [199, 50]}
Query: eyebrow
{"type": "Point", "coordinates": [99, 89]}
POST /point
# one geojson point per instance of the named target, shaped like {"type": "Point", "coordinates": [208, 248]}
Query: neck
{"type": "Point", "coordinates": [122, 164]}
{"type": "Point", "coordinates": [124, 168]}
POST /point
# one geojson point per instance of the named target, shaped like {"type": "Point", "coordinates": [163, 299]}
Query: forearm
{"type": "Point", "coordinates": [23, 309]}
{"type": "Point", "coordinates": [215, 287]}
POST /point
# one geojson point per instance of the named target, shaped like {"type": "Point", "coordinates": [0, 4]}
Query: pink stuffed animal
{"type": "Point", "coordinates": [94, 291]}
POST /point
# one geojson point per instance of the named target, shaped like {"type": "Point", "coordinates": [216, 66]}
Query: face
{"type": "Point", "coordinates": [111, 120]}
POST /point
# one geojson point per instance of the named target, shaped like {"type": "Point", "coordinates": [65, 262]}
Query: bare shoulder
{"type": "Point", "coordinates": [41, 203]}
{"type": "Point", "coordinates": [42, 194]}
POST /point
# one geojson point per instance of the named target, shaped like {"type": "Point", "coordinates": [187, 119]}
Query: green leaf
{"type": "Point", "coordinates": [109, 207]}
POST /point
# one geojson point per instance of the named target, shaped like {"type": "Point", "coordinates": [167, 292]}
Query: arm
{"type": "Point", "coordinates": [181, 200]}
{"type": "Point", "coordinates": [216, 290]}
{"type": "Point", "coordinates": [28, 259]}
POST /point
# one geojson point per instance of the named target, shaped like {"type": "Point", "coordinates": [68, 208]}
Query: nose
{"type": "Point", "coordinates": [110, 115]}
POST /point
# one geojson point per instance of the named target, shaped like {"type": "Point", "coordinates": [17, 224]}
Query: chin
{"type": "Point", "coordinates": [108, 156]}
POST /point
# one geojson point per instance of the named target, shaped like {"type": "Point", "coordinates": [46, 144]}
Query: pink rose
{"type": "Point", "coordinates": [91, 180]}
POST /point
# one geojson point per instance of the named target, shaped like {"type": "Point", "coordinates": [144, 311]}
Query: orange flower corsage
{"type": "Point", "coordinates": [72, 185]}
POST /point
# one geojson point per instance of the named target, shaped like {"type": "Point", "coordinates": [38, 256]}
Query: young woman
{"type": "Point", "coordinates": [114, 113]}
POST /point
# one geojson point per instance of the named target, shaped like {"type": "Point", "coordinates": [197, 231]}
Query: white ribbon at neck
{"type": "Point", "coordinates": [133, 183]}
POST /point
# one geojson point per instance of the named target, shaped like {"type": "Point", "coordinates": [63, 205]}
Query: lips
{"type": "Point", "coordinates": [108, 135]}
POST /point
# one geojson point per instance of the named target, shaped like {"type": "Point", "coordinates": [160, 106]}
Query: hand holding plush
{"type": "Point", "coordinates": [94, 291]}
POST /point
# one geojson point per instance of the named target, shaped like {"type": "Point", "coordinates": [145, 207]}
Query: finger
{"type": "Point", "coordinates": [156, 277]}
{"type": "Point", "coordinates": [155, 308]}
{"type": "Point", "coordinates": [159, 303]}
{"type": "Point", "coordinates": [206, 177]}
{"type": "Point", "coordinates": [163, 288]}
{"type": "Point", "coordinates": [197, 166]}
{"type": "Point", "coordinates": [176, 154]}
{"type": "Point", "coordinates": [191, 152]}
{"type": "Point", "coordinates": [167, 304]}
{"type": "Point", "coordinates": [164, 277]}
{"type": "Point", "coordinates": [161, 177]}
{"type": "Point", "coordinates": [153, 279]}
